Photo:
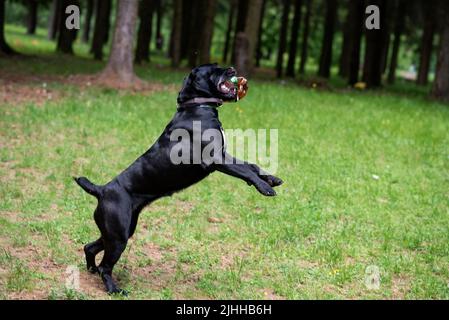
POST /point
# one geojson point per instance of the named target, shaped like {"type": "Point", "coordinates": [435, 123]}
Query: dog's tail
{"type": "Point", "coordinates": [89, 187]}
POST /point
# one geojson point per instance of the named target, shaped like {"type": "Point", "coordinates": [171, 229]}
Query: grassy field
{"type": "Point", "coordinates": [366, 184]}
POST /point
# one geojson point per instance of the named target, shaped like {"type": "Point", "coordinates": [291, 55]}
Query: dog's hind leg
{"type": "Point", "coordinates": [113, 219]}
{"type": "Point", "coordinates": [91, 250]}
{"type": "Point", "coordinates": [112, 252]}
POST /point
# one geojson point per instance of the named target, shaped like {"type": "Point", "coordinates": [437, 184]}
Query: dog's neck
{"type": "Point", "coordinates": [211, 102]}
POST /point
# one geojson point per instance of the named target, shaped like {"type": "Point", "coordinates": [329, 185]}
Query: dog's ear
{"type": "Point", "coordinates": [186, 91]}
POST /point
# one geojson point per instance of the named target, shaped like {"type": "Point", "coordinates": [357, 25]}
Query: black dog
{"type": "Point", "coordinates": [154, 175]}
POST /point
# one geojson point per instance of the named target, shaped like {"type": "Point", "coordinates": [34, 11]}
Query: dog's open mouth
{"type": "Point", "coordinates": [228, 87]}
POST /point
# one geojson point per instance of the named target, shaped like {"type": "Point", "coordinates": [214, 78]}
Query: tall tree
{"type": "Point", "coordinates": [401, 7]}
{"type": "Point", "coordinates": [188, 22]}
{"type": "Point", "coordinates": [232, 10]}
{"type": "Point", "coordinates": [356, 11]}
{"type": "Point", "coordinates": [440, 88]}
{"type": "Point", "coordinates": [209, 7]}
{"type": "Point", "coordinates": [194, 32]}
{"type": "Point", "coordinates": [426, 43]}
{"type": "Point", "coordinates": [375, 41]}
{"type": "Point", "coordinates": [294, 39]}
{"type": "Point", "coordinates": [201, 34]}
{"type": "Point", "coordinates": [246, 41]}
{"type": "Point", "coordinates": [87, 21]}
{"type": "Point", "coordinates": [159, 12]}
{"type": "Point", "coordinates": [101, 29]}
{"type": "Point", "coordinates": [343, 66]}
{"type": "Point", "coordinates": [242, 14]}
{"type": "Point", "coordinates": [386, 34]}
{"type": "Point", "coordinates": [328, 39]}
{"type": "Point", "coordinates": [66, 37]}
{"type": "Point", "coordinates": [55, 17]}
{"type": "Point", "coordinates": [146, 8]}
{"type": "Point", "coordinates": [259, 34]}
{"type": "Point", "coordinates": [175, 39]}
{"type": "Point", "coordinates": [252, 30]}
{"type": "Point", "coordinates": [282, 38]}
{"type": "Point", "coordinates": [4, 47]}
{"type": "Point", "coordinates": [31, 19]}
{"type": "Point", "coordinates": [120, 63]}
{"type": "Point", "coordinates": [305, 37]}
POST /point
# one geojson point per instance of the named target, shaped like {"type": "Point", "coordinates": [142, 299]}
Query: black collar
{"type": "Point", "coordinates": [212, 102]}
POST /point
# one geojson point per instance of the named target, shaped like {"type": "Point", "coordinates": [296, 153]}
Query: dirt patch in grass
{"type": "Point", "coordinates": [304, 264]}
{"type": "Point", "coordinates": [12, 93]}
{"type": "Point", "coordinates": [153, 263]}
{"type": "Point", "coordinates": [17, 89]}
{"type": "Point", "coordinates": [269, 294]}
{"type": "Point", "coordinates": [142, 87]}
{"type": "Point", "coordinates": [47, 275]}
{"type": "Point", "coordinates": [234, 257]}
{"type": "Point", "coordinates": [11, 216]}
{"type": "Point", "coordinates": [29, 258]}
{"type": "Point", "coordinates": [400, 287]}
{"type": "Point", "coordinates": [92, 285]}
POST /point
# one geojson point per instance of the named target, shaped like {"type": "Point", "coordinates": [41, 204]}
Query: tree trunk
{"type": "Point", "coordinates": [294, 39]}
{"type": "Point", "coordinates": [207, 30]}
{"type": "Point", "coordinates": [356, 14]}
{"type": "Point", "coordinates": [188, 22]}
{"type": "Point", "coordinates": [345, 57]}
{"type": "Point", "coordinates": [31, 19]}
{"type": "Point", "coordinates": [195, 31]}
{"type": "Point", "coordinates": [259, 34]}
{"type": "Point", "coordinates": [426, 47]}
{"type": "Point", "coordinates": [145, 31]}
{"type": "Point", "coordinates": [159, 39]}
{"type": "Point", "coordinates": [386, 34]}
{"type": "Point", "coordinates": [120, 64]}
{"type": "Point", "coordinates": [305, 37]}
{"type": "Point", "coordinates": [375, 41]}
{"type": "Point", "coordinates": [441, 84]}
{"type": "Point", "coordinates": [401, 8]}
{"type": "Point", "coordinates": [87, 21]}
{"type": "Point", "coordinates": [232, 10]}
{"type": "Point", "coordinates": [282, 38]}
{"type": "Point", "coordinates": [4, 47]}
{"type": "Point", "coordinates": [242, 13]}
{"type": "Point", "coordinates": [247, 41]}
{"type": "Point", "coordinates": [201, 35]}
{"type": "Point", "coordinates": [252, 31]}
{"type": "Point", "coordinates": [242, 56]}
{"type": "Point", "coordinates": [54, 20]}
{"type": "Point", "coordinates": [66, 37]}
{"type": "Point", "coordinates": [175, 39]}
{"type": "Point", "coordinates": [101, 29]}
{"type": "Point", "coordinates": [328, 39]}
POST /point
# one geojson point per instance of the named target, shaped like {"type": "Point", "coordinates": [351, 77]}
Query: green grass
{"type": "Point", "coordinates": [330, 220]}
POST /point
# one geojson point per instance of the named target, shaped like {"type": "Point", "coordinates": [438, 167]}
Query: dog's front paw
{"type": "Point", "coordinates": [274, 181]}
{"type": "Point", "coordinates": [265, 189]}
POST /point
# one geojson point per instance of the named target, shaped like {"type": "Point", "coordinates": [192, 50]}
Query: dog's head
{"type": "Point", "coordinates": [210, 81]}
